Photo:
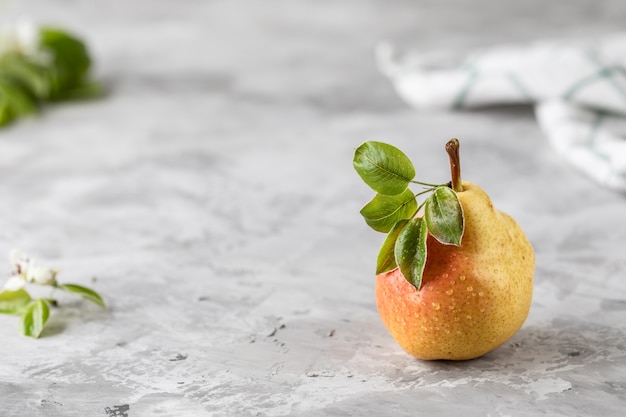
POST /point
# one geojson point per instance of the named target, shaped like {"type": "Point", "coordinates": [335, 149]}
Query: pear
{"type": "Point", "coordinates": [469, 298]}
{"type": "Point", "coordinates": [473, 297]}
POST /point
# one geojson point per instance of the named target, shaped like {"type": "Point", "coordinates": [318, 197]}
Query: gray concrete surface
{"type": "Point", "coordinates": [211, 200]}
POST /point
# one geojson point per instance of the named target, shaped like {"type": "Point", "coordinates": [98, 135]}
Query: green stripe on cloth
{"type": "Point", "coordinates": [459, 102]}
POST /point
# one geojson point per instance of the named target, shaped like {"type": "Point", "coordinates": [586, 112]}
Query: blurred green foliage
{"type": "Point", "coordinates": [57, 69]}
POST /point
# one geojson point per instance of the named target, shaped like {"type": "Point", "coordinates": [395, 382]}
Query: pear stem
{"type": "Point", "coordinates": [452, 148]}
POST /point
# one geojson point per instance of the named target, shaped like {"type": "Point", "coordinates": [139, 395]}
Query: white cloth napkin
{"type": "Point", "coordinates": [578, 90]}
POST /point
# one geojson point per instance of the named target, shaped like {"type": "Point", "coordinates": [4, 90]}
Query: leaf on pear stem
{"type": "Point", "coordinates": [384, 211]}
{"type": "Point", "coordinates": [84, 292]}
{"type": "Point", "coordinates": [410, 251]}
{"type": "Point", "coordinates": [385, 168]}
{"type": "Point", "coordinates": [444, 216]}
{"type": "Point", "coordinates": [14, 302]}
{"type": "Point", "coordinates": [386, 257]}
{"type": "Point", "coordinates": [34, 318]}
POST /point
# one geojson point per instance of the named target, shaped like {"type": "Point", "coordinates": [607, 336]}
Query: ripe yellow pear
{"type": "Point", "coordinates": [473, 297]}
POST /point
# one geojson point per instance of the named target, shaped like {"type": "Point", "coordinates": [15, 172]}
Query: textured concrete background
{"type": "Point", "coordinates": [211, 200]}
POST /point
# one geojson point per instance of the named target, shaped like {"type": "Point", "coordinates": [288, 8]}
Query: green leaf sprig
{"type": "Point", "coordinates": [396, 210]}
{"type": "Point", "coordinates": [40, 65]}
{"type": "Point", "coordinates": [34, 312]}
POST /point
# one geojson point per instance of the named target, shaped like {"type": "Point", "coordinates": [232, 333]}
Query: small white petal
{"type": "Point", "coordinates": [19, 261]}
{"type": "Point", "coordinates": [27, 35]}
{"type": "Point", "coordinates": [14, 283]}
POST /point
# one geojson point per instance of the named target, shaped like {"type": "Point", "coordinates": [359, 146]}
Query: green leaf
{"type": "Point", "coordinates": [19, 103]}
{"type": "Point", "coordinates": [386, 258]}
{"type": "Point", "coordinates": [14, 302]}
{"type": "Point", "coordinates": [6, 116]}
{"type": "Point", "coordinates": [70, 60]}
{"type": "Point", "coordinates": [410, 251]}
{"type": "Point", "coordinates": [383, 167]}
{"type": "Point", "coordinates": [31, 77]}
{"type": "Point", "coordinates": [35, 318]}
{"type": "Point", "coordinates": [84, 292]}
{"type": "Point", "coordinates": [383, 211]}
{"type": "Point", "coordinates": [444, 216]}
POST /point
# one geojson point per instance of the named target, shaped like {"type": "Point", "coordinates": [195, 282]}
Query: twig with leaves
{"type": "Point", "coordinates": [34, 312]}
{"type": "Point", "coordinates": [395, 210]}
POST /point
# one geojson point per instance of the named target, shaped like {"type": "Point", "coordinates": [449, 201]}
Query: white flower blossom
{"type": "Point", "coordinates": [27, 35]}
{"type": "Point", "coordinates": [25, 270]}
{"type": "Point", "coordinates": [41, 275]}
{"type": "Point", "coordinates": [18, 261]}
{"type": "Point", "coordinates": [23, 36]}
